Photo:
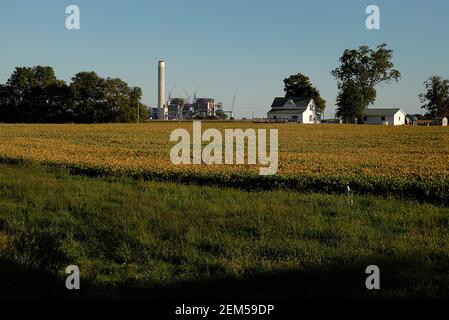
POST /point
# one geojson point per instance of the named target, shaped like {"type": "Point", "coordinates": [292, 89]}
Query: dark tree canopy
{"type": "Point", "coordinates": [35, 95]}
{"type": "Point", "coordinates": [436, 98]}
{"type": "Point", "coordinates": [88, 91]}
{"type": "Point", "coordinates": [299, 85]}
{"type": "Point", "coordinates": [364, 68]}
{"type": "Point", "coordinates": [350, 102]}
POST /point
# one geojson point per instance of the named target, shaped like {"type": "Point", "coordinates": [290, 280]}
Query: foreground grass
{"type": "Point", "coordinates": [132, 238]}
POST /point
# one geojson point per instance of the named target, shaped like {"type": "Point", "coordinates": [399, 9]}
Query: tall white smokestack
{"type": "Point", "coordinates": [161, 91]}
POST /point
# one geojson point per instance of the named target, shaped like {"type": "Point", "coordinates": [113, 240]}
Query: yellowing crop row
{"type": "Point", "coordinates": [404, 154]}
{"type": "Point", "coordinates": [317, 150]}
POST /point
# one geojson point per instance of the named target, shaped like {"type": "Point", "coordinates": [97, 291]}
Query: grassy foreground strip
{"type": "Point", "coordinates": [147, 239]}
{"type": "Point", "coordinates": [426, 189]}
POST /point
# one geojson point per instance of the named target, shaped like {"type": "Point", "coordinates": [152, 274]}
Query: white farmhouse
{"type": "Point", "coordinates": [302, 110]}
{"type": "Point", "coordinates": [389, 117]}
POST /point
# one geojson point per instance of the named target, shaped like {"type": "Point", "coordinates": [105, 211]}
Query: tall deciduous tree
{"type": "Point", "coordinates": [299, 85]}
{"type": "Point", "coordinates": [28, 93]}
{"type": "Point", "coordinates": [363, 68]}
{"type": "Point", "coordinates": [135, 96]}
{"type": "Point", "coordinates": [88, 95]}
{"type": "Point", "coordinates": [436, 98]}
{"type": "Point", "coordinates": [350, 102]}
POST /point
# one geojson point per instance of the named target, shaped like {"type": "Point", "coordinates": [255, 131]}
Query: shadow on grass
{"type": "Point", "coordinates": [18, 282]}
{"type": "Point", "coordinates": [425, 190]}
{"type": "Point", "coordinates": [401, 278]}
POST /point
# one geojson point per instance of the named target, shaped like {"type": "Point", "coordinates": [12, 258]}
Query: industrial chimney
{"type": "Point", "coordinates": [161, 92]}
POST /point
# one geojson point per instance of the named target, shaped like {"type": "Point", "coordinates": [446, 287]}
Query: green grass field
{"type": "Point", "coordinates": [144, 239]}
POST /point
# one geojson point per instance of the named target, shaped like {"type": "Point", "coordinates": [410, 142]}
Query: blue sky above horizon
{"type": "Point", "coordinates": [243, 47]}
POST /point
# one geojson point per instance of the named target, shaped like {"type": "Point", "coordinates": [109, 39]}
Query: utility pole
{"type": "Point", "coordinates": [138, 112]}
{"type": "Point", "coordinates": [233, 103]}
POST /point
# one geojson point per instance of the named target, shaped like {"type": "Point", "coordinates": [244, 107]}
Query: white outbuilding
{"type": "Point", "coordinates": [441, 121]}
{"type": "Point", "coordinates": [388, 117]}
{"type": "Point", "coordinates": [302, 110]}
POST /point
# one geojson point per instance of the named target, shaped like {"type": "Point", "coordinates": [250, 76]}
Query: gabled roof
{"type": "Point", "coordinates": [300, 102]}
{"type": "Point", "coordinates": [286, 111]}
{"type": "Point", "coordinates": [382, 112]}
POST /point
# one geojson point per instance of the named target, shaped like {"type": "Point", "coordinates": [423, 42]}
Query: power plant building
{"type": "Point", "coordinates": [180, 108]}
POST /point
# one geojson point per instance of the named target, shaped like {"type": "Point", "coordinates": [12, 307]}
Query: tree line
{"type": "Point", "coordinates": [360, 72]}
{"type": "Point", "coordinates": [35, 95]}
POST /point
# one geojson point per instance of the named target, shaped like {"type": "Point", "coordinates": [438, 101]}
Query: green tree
{"type": "Point", "coordinates": [135, 97]}
{"type": "Point", "coordinates": [436, 97]}
{"type": "Point", "coordinates": [6, 112]}
{"type": "Point", "coordinates": [28, 93]}
{"type": "Point", "coordinates": [24, 78]}
{"type": "Point", "coordinates": [59, 102]}
{"type": "Point", "coordinates": [117, 105]}
{"type": "Point", "coordinates": [365, 68]}
{"type": "Point", "coordinates": [88, 90]}
{"type": "Point", "coordinates": [299, 85]}
{"type": "Point", "coordinates": [35, 95]}
{"type": "Point", "coordinates": [350, 102]}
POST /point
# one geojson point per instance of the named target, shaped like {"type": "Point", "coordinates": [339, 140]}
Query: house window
{"type": "Point", "coordinates": [274, 117]}
{"type": "Point", "coordinates": [383, 118]}
{"type": "Point", "coordinates": [310, 118]}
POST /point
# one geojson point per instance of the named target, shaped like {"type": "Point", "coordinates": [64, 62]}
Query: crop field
{"type": "Point", "coordinates": [408, 161]}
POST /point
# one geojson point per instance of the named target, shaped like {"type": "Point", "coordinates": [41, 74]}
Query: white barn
{"type": "Point", "coordinates": [389, 117]}
{"type": "Point", "coordinates": [302, 110]}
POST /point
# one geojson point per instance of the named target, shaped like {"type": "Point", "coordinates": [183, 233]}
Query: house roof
{"type": "Point", "coordinates": [382, 112]}
{"type": "Point", "coordinates": [286, 111]}
{"type": "Point", "coordinates": [300, 102]}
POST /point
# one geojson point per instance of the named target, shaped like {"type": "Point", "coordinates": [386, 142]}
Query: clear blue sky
{"type": "Point", "coordinates": [242, 46]}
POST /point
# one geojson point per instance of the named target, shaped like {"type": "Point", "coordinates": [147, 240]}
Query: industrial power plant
{"type": "Point", "coordinates": [186, 108]}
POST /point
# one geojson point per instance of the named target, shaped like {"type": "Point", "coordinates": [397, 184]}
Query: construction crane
{"type": "Point", "coordinates": [187, 95]}
{"type": "Point", "coordinates": [170, 94]}
{"type": "Point", "coordinates": [196, 91]}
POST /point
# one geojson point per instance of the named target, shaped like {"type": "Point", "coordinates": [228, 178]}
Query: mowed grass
{"type": "Point", "coordinates": [140, 239]}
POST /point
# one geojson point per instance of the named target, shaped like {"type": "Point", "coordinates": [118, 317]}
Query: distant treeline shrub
{"type": "Point", "coordinates": [35, 95]}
